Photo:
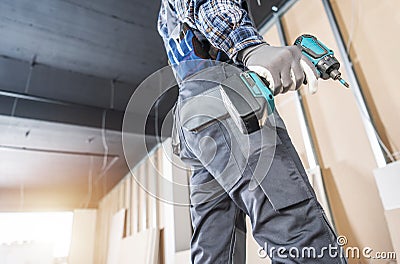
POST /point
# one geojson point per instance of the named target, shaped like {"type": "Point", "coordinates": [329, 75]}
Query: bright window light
{"type": "Point", "coordinates": [53, 228]}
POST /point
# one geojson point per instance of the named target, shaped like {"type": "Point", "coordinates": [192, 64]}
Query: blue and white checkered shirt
{"type": "Point", "coordinates": [225, 23]}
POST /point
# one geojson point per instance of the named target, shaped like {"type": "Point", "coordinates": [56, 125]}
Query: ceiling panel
{"type": "Point", "coordinates": [72, 36]}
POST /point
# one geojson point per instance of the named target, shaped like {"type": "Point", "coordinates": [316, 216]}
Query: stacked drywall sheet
{"type": "Point", "coordinates": [141, 247]}
{"type": "Point", "coordinates": [83, 237]}
{"type": "Point", "coordinates": [388, 182]}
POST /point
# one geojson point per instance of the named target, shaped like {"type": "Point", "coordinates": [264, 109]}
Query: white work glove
{"type": "Point", "coordinates": [285, 68]}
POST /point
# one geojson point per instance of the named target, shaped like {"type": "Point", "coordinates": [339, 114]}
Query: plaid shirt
{"type": "Point", "coordinates": [225, 23]}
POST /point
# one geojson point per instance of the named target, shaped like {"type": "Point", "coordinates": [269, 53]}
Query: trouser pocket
{"type": "Point", "coordinates": [283, 182]}
{"type": "Point", "coordinates": [202, 111]}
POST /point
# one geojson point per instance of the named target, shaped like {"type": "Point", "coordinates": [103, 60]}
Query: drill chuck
{"type": "Point", "coordinates": [335, 74]}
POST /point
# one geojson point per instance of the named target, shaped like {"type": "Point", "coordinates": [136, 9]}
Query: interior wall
{"type": "Point", "coordinates": [143, 211]}
{"type": "Point", "coordinates": [347, 159]}
{"type": "Point", "coordinates": [149, 204]}
{"type": "Point", "coordinates": [370, 29]}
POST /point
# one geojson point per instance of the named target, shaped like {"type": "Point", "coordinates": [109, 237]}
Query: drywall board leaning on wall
{"type": "Point", "coordinates": [83, 235]}
{"type": "Point", "coordinates": [177, 226]}
{"type": "Point", "coordinates": [140, 248]}
{"type": "Point", "coordinates": [174, 220]}
{"type": "Point", "coordinates": [182, 257]}
{"type": "Point", "coordinates": [115, 236]}
{"type": "Point", "coordinates": [388, 182]}
{"type": "Point", "coordinates": [347, 160]}
{"type": "Point", "coordinates": [393, 220]}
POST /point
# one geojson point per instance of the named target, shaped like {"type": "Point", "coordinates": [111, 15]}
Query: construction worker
{"type": "Point", "coordinates": [285, 215]}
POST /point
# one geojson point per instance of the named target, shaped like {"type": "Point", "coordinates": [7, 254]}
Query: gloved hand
{"type": "Point", "coordinates": [285, 68]}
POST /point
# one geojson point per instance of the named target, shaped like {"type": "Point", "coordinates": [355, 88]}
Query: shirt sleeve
{"type": "Point", "coordinates": [161, 21]}
{"type": "Point", "coordinates": [226, 24]}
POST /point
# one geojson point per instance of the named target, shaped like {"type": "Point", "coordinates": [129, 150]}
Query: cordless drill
{"type": "Point", "coordinates": [247, 96]}
{"type": "Point", "coordinates": [322, 58]}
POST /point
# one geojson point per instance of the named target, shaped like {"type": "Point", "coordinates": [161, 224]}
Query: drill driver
{"type": "Point", "coordinates": [248, 99]}
{"type": "Point", "coordinates": [322, 58]}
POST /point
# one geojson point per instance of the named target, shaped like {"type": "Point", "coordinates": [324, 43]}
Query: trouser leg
{"type": "Point", "coordinates": [295, 233]}
{"type": "Point", "coordinates": [219, 228]}
{"type": "Point", "coordinates": [282, 205]}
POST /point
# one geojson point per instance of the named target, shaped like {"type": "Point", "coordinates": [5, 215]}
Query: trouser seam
{"type": "Point", "coordinates": [328, 229]}
{"type": "Point", "coordinates": [233, 239]}
{"type": "Point", "coordinates": [233, 157]}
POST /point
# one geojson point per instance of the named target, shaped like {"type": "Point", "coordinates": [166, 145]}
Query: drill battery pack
{"type": "Point", "coordinates": [248, 100]}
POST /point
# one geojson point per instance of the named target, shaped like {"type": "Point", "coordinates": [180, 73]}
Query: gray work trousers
{"type": "Point", "coordinates": [259, 175]}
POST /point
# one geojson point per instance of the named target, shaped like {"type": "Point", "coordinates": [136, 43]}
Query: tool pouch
{"type": "Point", "coordinates": [197, 113]}
{"type": "Point", "coordinates": [203, 110]}
{"type": "Point", "coordinates": [200, 103]}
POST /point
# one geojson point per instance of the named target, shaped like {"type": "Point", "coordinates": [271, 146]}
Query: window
{"type": "Point", "coordinates": [35, 236]}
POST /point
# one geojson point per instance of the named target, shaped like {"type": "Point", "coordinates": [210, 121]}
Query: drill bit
{"type": "Point", "coordinates": [337, 76]}
{"type": "Point", "coordinates": [344, 82]}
